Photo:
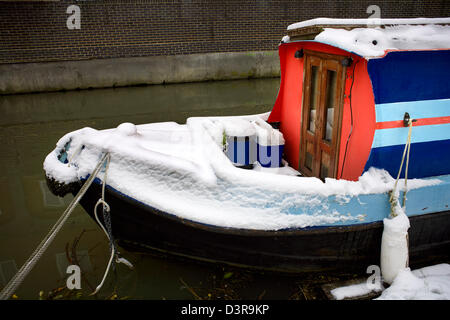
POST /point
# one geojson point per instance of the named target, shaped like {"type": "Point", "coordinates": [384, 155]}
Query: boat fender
{"type": "Point", "coordinates": [394, 247]}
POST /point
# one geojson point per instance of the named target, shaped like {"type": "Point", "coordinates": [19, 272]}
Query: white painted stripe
{"type": "Point", "coordinates": [416, 109]}
{"type": "Point", "coordinates": [396, 136]}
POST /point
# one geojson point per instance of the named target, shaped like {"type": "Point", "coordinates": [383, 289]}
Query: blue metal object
{"type": "Point", "coordinates": [270, 156]}
{"type": "Point", "coordinates": [241, 150]}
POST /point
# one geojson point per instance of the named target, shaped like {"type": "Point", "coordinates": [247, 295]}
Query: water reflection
{"type": "Point", "coordinates": [31, 124]}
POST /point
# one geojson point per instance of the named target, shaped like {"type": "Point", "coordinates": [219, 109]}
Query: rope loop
{"type": "Point", "coordinates": [106, 206]}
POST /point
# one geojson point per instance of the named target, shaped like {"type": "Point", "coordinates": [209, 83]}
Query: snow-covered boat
{"type": "Point", "coordinates": [216, 188]}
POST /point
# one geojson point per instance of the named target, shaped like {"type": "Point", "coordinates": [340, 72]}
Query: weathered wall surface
{"type": "Point", "coordinates": [101, 73]}
{"type": "Point", "coordinates": [32, 31]}
{"type": "Point", "coordinates": [37, 31]}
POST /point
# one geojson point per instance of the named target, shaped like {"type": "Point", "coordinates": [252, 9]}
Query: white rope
{"type": "Point", "coordinates": [407, 163]}
{"type": "Point", "coordinates": [114, 253]}
{"type": "Point", "coordinates": [395, 241]}
{"type": "Point", "coordinates": [394, 198]}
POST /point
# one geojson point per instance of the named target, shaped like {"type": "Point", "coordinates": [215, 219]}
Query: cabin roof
{"type": "Point", "coordinates": [358, 23]}
{"type": "Point", "coordinates": [373, 37]}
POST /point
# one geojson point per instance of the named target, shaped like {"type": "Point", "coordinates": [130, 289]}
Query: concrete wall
{"type": "Point", "coordinates": [101, 73]}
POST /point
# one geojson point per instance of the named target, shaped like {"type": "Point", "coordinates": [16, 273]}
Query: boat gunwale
{"type": "Point", "coordinates": [286, 232]}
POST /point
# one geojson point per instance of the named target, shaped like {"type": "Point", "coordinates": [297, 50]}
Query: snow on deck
{"type": "Point", "coordinates": [182, 170]}
{"type": "Point", "coordinates": [380, 35]}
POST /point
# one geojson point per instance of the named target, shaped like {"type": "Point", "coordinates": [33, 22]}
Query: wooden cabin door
{"type": "Point", "coordinates": [323, 86]}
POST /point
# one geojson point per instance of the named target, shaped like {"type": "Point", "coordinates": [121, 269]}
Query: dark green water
{"type": "Point", "coordinates": [31, 124]}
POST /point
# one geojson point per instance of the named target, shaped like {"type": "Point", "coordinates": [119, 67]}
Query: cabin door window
{"type": "Point", "coordinates": [321, 114]}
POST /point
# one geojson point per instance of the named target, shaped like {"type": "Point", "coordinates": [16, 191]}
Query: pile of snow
{"type": "Point", "coordinates": [284, 170]}
{"type": "Point", "coordinates": [373, 42]}
{"type": "Point", "coordinates": [429, 283]}
{"type": "Point", "coordinates": [237, 127]}
{"type": "Point", "coordinates": [266, 135]}
{"type": "Point", "coordinates": [396, 34]}
{"type": "Point", "coordinates": [157, 163]}
{"type": "Point", "coordinates": [285, 39]}
{"type": "Point", "coordinates": [355, 290]}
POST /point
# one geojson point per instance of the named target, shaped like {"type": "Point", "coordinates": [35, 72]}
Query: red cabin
{"type": "Point", "coordinates": [332, 100]}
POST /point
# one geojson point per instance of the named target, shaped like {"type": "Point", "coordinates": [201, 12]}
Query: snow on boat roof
{"type": "Point", "coordinates": [368, 22]}
{"type": "Point", "coordinates": [373, 37]}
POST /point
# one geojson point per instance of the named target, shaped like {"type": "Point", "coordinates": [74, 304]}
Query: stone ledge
{"type": "Point", "coordinates": [118, 72]}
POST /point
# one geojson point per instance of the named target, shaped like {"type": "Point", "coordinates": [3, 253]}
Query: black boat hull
{"type": "Point", "coordinates": [337, 249]}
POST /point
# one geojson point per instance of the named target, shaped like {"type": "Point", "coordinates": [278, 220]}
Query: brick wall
{"type": "Point", "coordinates": [36, 31]}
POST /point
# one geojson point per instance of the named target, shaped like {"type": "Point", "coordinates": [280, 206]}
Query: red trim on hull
{"type": "Point", "coordinates": [419, 122]}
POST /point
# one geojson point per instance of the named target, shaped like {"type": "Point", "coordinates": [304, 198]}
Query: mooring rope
{"type": "Point", "coordinates": [393, 199]}
{"type": "Point", "coordinates": [395, 248]}
{"type": "Point", "coordinates": [18, 278]}
{"type": "Point", "coordinates": [108, 232]}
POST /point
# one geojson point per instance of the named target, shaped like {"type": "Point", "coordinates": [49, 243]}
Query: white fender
{"type": "Point", "coordinates": [394, 246]}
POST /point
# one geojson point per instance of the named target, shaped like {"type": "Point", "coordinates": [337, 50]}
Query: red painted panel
{"type": "Point", "coordinates": [287, 109]}
{"type": "Point", "coordinates": [288, 105]}
{"type": "Point", "coordinates": [359, 103]}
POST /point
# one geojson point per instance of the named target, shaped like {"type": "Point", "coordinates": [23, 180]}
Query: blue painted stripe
{"type": "Point", "coordinates": [426, 159]}
{"type": "Point", "coordinates": [398, 136]}
{"type": "Point", "coordinates": [371, 207]}
{"type": "Point", "coordinates": [416, 109]}
{"type": "Point", "coordinates": [410, 76]}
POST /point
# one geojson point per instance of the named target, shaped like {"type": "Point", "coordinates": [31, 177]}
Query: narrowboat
{"type": "Point", "coordinates": [304, 187]}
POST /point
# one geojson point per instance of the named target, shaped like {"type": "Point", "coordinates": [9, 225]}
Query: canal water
{"type": "Point", "coordinates": [31, 124]}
